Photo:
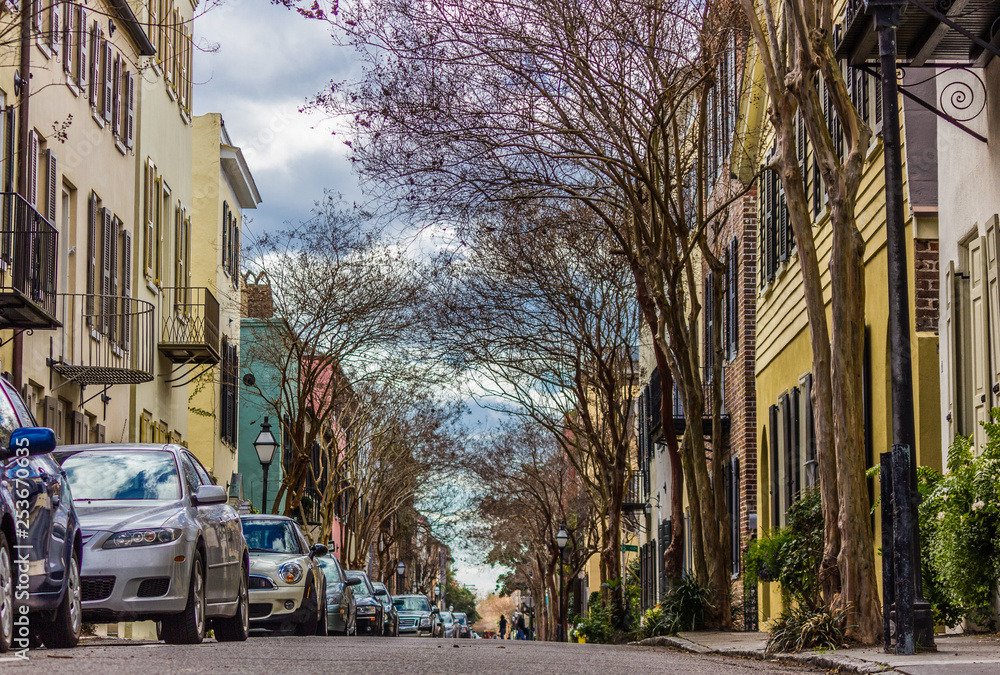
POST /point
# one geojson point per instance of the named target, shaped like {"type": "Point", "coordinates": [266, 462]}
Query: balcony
{"type": "Point", "coordinates": [636, 493]}
{"type": "Point", "coordinates": [106, 339]}
{"type": "Point", "coordinates": [680, 422]}
{"type": "Point", "coordinates": [28, 246]}
{"type": "Point", "coordinates": [189, 325]}
{"type": "Point", "coordinates": [923, 38]}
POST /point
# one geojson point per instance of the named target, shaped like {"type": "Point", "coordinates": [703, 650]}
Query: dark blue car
{"type": "Point", "coordinates": [40, 540]}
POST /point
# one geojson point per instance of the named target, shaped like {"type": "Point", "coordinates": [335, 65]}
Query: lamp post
{"type": "Point", "coordinates": [561, 539]}
{"type": "Point", "coordinates": [265, 445]}
{"type": "Point", "coordinates": [400, 572]}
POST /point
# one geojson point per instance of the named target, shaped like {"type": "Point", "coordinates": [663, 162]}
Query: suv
{"type": "Point", "coordinates": [33, 483]}
{"type": "Point", "coordinates": [414, 614]}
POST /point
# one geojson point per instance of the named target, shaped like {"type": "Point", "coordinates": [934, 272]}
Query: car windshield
{"type": "Point", "coordinates": [122, 475]}
{"type": "Point", "coordinates": [413, 604]}
{"type": "Point", "coordinates": [270, 536]}
{"type": "Point", "coordinates": [460, 618]}
{"type": "Point", "coordinates": [362, 590]}
{"type": "Point", "coordinates": [330, 571]}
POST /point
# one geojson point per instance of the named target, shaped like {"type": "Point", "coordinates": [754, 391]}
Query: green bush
{"type": "Point", "coordinates": [798, 628]}
{"type": "Point", "coordinates": [597, 626]}
{"type": "Point", "coordinates": [791, 555]}
{"type": "Point", "coordinates": [960, 530]}
{"type": "Point", "coordinates": [685, 604]}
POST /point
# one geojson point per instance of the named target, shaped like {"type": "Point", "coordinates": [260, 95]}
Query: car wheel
{"type": "Point", "coordinates": [63, 631]}
{"type": "Point", "coordinates": [237, 627]}
{"type": "Point", "coordinates": [322, 629]}
{"type": "Point", "coordinates": [6, 595]}
{"type": "Point", "coordinates": [308, 625]}
{"type": "Point", "coordinates": [188, 627]}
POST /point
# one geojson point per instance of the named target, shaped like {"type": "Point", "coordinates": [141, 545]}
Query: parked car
{"type": "Point", "coordinates": [446, 626]}
{"type": "Point", "coordinates": [160, 541]}
{"type": "Point", "coordinates": [462, 628]}
{"type": "Point", "coordinates": [341, 613]}
{"type": "Point", "coordinates": [370, 612]}
{"type": "Point", "coordinates": [390, 617]}
{"type": "Point", "coordinates": [287, 583]}
{"type": "Point", "coordinates": [32, 484]}
{"type": "Point", "coordinates": [414, 614]}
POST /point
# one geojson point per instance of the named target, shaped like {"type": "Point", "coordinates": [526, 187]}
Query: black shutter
{"type": "Point", "coordinates": [796, 452]}
{"type": "Point", "coordinates": [709, 315]}
{"type": "Point", "coordinates": [734, 286]}
{"type": "Point", "coordinates": [773, 469]}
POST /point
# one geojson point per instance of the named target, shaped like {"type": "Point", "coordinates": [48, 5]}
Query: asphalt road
{"type": "Point", "coordinates": [313, 655]}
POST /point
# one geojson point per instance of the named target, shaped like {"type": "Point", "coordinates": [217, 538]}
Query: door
{"type": "Point", "coordinates": [210, 522]}
{"type": "Point", "coordinates": [232, 531]}
{"type": "Point", "coordinates": [993, 302]}
{"type": "Point", "coordinates": [980, 336]}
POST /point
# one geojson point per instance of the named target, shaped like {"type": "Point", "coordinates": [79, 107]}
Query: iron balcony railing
{"type": "Point", "coordinates": [106, 339]}
{"type": "Point", "coordinates": [28, 246]}
{"type": "Point", "coordinates": [636, 493]}
{"type": "Point", "coordinates": [706, 389]}
{"type": "Point", "coordinates": [189, 325]}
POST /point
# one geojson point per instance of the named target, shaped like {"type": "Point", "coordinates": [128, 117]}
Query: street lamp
{"type": "Point", "coordinates": [561, 539]}
{"type": "Point", "coordinates": [400, 571]}
{"type": "Point", "coordinates": [265, 445]}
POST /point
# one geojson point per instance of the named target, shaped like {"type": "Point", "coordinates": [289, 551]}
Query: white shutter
{"type": "Point", "coordinates": [50, 210]}
{"type": "Point", "coordinates": [948, 349]}
{"type": "Point", "coordinates": [108, 76]}
{"type": "Point", "coordinates": [68, 22]}
{"type": "Point", "coordinates": [106, 306]}
{"type": "Point", "coordinates": [980, 334]}
{"type": "Point", "coordinates": [56, 29]}
{"type": "Point", "coordinates": [993, 300]}
{"type": "Point", "coordinates": [129, 109]}
{"type": "Point", "coordinates": [95, 65]}
{"type": "Point", "coordinates": [82, 63]}
{"type": "Point", "coordinates": [116, 107]}
{"type": "Point", "coordinates": [31, 183]}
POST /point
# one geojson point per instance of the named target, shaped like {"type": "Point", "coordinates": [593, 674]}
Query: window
{"type": "Point", "coordinates": [730, 315]}
{"type": "Point", "coordinates": [150, 238]}
{"type": "Point", "coordinates": [775, 238]}
{"type": "Point", "coordinates": [229, 392]}
{"type": "Point", "coordinates": [94, 226]}
{"type": "Point", "coordinates": [182, 248]}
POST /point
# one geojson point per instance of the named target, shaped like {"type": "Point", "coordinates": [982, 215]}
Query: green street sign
{"type": "Point", "coordinates": [630, 547]}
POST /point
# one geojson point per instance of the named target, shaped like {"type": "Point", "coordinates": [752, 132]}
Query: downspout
{"type": "Point", "coordinates": [23, 128]}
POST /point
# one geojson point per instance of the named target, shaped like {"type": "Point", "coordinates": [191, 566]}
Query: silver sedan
{"type": "Point", "coordinates": [160, 541]}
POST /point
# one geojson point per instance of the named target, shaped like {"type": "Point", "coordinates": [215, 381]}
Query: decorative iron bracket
{"type": "Point", "coordinates": [29, 331]}
{"type": "Point", "coordinates": [921, 102]}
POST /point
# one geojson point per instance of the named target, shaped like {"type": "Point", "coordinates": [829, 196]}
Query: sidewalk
{"type": "Point", "coordinates": [956, 655]}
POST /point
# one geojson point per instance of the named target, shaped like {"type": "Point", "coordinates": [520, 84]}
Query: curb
{"type": "Point", "coordinates": [844, 664]}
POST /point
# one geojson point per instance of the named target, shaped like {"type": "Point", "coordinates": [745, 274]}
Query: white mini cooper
{"type": "Point", "coordinates": [287, 585]}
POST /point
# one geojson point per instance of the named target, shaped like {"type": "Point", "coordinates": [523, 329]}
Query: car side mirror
{"type": "Point", "coordinates": [381, 591]}
{"type": "Point", "coordinates": [206, 495]}
{"type": "Point", "coordinates": [354, 581]}
{"type": "Point", "coordinates": [31, 441]}
{"type": "Point", "coordinates": [318, 550]}
{"type": "Point", "coordinates": [435, 610]}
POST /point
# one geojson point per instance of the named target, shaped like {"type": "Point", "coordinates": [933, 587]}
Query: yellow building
{"type": "Point", "coordinates": [785, 443]}
{"type": "Point", "coordinates": [223, 188]}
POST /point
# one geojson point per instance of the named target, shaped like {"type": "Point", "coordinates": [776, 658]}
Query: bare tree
{"type": "Point", "coordinates": [794, 42]}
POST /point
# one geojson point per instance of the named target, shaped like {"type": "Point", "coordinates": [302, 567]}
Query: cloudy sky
{"type": "Point", "coordinates": [258, 64]}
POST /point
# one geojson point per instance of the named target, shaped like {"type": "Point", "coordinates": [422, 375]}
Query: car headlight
{"type": "Point", "coordinates": [425, 621]}
{"type": "Point", "coordinates": [366, 610]}
{"type": "Point", "coordinates": [156, 535]}
{"type": "Point", "coordinates": [290, 572]}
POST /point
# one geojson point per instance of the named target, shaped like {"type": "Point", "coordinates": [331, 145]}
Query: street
{"type": "Point", "coordinates": [293, 655]}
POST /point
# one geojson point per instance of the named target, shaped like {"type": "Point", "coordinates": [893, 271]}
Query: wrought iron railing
{"type": "Point", "coordinates": [28, 260]}
{"type": "Point", "coordinates": [106, 340]}
{"type": "Point", "coordinates": [189, 324]}
{"type": "Point", "coordinates": [706, 388]}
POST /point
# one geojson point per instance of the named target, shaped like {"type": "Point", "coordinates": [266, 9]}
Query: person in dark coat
{"type": "Point", "coordinates": [522, 633]}
{"type": "Point", "coordinates": [503, 627]}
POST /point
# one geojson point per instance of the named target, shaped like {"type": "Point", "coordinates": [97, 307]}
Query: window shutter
{"type": "Point", "coordinates": [9, 131]}
{"type": "Point", "coordinates": [775, 486]}
{"type": "Point", "coordinates": [82, 63]}
{"type": "Point", "coordinates": [877, 84]}
{"type": "Point", "coordinates": [148, 227]}
{"type": "Point", "coordinates": [36, 15]}
{"type": "Point", "coordinates": [68, 53]}
{"type": "Point", "coordinates": [106, 244]}
{"type": "Point", "coordinates": [115, 304]}
{"type": "Point", "coordinates": [126, 285]}
{"type": "Point", "coordinates": [56, 29]}
{"type": "Point", "coordinates": [50, 203]}
{"type": "Point", "coordinates": [817, 188]}
{"type": "Point", "coordinates": [168, 47]}
{"type": "Point", "coordinates": [153, 29]}
{"type": "Point", "coordinates": [796, 447]}
{"type": "Point", "coordinates": [95, 65]}
{"type": "Point", "coordinates": [108, 64]}
{"type": "Point", "coordinates": [92, 225]}
{"type": "Point", "coordinates": [993, 304]}
{"type": "Point", "coordinates": [182, 68]}
{"type": "Point", "coordinates": [32, 178]}
{"type": "Point", "coordinates": [116, 109]}
{"type": "Point", "coordinates": [236, 255]}
{"type": "Point", "coordinates": [709, 323]}
{"type": "Point", "coordinates": [772, 244]}
{"type": "Point", "coordinates": [129, 109]}
{"type": "Point", "coordinates": [225, 236]}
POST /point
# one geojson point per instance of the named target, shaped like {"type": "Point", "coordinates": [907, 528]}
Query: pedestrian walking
{"type": "Point", "coordinates": [503, 627]}
{"type": "Point", "coordinates": [521, 632]}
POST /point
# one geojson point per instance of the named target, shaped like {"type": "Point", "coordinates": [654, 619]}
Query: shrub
{"type": "Point", "coordinates": [798, 628]}
{"type": "Point", "coordinates": [685, 604]}
{"type": "Point", "coordinates": [791, 555]}
{"type": "Point", "coordinates": [960, 530]}
{"type": "Point", "coordinates": [597, 627]}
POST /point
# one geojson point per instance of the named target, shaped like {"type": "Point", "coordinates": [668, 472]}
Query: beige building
{"type": "Point", "coordinates": [223, 189]}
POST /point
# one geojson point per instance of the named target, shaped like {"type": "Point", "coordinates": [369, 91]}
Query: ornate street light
{"type": "Point", "coordinates": [265, 445]}
{"type": "Point", "coordinates": [400, 572]}
{"type": "Point", "coordinates": [561, 539]}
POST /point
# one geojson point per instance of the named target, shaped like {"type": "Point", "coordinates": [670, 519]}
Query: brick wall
{"type": "Point", "coordinates": [927, 282]}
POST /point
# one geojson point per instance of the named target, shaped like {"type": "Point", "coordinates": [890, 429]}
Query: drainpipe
{"type": "Point", "coordinates": [23, 128]}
